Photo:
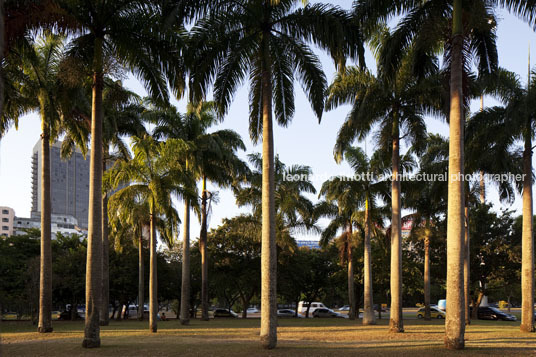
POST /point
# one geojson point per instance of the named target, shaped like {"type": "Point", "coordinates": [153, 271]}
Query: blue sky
{"type": "Point", "coordinates": [304, 141]}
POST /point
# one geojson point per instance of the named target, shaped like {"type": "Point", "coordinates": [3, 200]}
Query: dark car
{"type": "Point", "coordinates": [492, 313]}
{"type": "Point", "coordinates": [327, 313]}
{"type": "Point", "coordinates": [225, 313]}
{"type": "Point", "coordinates": [287, 313]}
{"type": "Point", "coordinates": [66, 315]}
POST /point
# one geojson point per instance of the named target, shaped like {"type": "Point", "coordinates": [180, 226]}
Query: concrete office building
{"type": "Point", "coordinates": [64, 224]}
{"type": "Point", "coordinates": [69, 184]}
{"type": "Point", "coordinates": [7, 216]}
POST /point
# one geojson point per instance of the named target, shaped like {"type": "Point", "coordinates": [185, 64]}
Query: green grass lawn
{"type": "Point", "coordinates": [301, 337]}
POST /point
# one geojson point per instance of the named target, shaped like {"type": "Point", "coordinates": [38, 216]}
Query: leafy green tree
{"type": "Point", "coordinates": [17, 253]}
{"type": "Point", "coordinates": [236, 250]}
{"type": "Point", "coordinates": [68, 268]}
{"type": "Point", "coordinates": [268, 42]}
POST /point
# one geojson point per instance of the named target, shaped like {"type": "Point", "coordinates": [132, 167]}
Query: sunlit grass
{"type": "Point", "coordinates": [301, 337]}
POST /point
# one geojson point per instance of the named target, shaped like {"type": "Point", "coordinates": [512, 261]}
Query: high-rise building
{"type": "Point", "coordinates": [7, 216]}
{"type": "Point", "coordinates": [69, 184]}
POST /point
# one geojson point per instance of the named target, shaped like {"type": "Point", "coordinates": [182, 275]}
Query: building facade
{"type": "Point", "coordinates": [7, 216]}
{"type": "Point", "coordinates": [69, 184]}
{"type": "Point", "coordinates": [64, 224]}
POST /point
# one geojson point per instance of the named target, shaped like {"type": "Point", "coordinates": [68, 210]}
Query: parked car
{"type": "Point", "coordinates": [288, 313]}
{"type": "Point", "coordinates": [345, 308]}
{"type": "Point", "coordinates": [323, 312]}
{"type": "Point", "coordinates": [302, 306]}
{"type": "Point", "coordinates": [492, 313]}
{"type": "Point", "coordinates": [252, 310]}
{"type": "Point", "coordinates": [435, 313]}
{"type": "Point", "coordinates": [225, 313]}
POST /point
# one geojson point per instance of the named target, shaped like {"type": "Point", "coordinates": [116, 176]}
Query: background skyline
{"type": "Point", "coordinates": [304, 141]}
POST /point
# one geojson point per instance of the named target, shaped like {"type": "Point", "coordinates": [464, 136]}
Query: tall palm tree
{"type": "Point", "coordinates": [135, 36]}
{"type": "Point", "coordinates": [214, 158]}
{"type": "Point", "coordinates": [38, 81]}
{"type": "Point", "coordinates": [267, 42]}
{"type": "Point", "coordinates": [428, 199]}
{"type": "Point", "coordinates": [351, 195]}
{"type": "Point", "coordinates": [395, 104]}
{"type": "Point", "coordinates": [152, 176]}
{"type": "Point", "coordinates": [417, 27]}
{"type": "Point", "coordinates": [502, 126]}
{"type": "Point", "coordinates": [122, 117]}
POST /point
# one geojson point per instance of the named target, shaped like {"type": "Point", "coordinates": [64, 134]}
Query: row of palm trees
{"type": "Point", "coordinates": [269, 42]}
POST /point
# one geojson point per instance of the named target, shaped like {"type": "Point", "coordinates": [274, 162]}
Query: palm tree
{"type": "Point", "coordinates": [428, 199]}
{"type": "Point", "coordinates": [294, 211]}
{"type": "Point", "coordinates": [38, 81]}
{"type": "Point", "coordinates": [502, 126]}
{"type": "Point", "coordinates": [122, 117]}
{"type": "Point", "coordinates": [136, 37]}
{"type": "Point", "coordinates": [349, 196]}
{"type": "Point", "coordinates": [214, 158]}
{"type": "Point", "coordinates": [152, 176]}
{"type": "Point", "coordinates": [267, 41]}
{"type": "Point", "coordinates": [418, 28]}
{"type": "Point", "coordinates": [395, 104]}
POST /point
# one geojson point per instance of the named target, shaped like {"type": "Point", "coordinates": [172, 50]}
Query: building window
{"type": "Point", "coordinates": [5, 211]}
{"type": "Point", "coordinates": [5, 228]}
{"type": "Point", "coordinates": [5, 219]}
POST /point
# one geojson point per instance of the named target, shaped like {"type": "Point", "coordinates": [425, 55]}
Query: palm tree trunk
{"type": "Point", "coordinates": [203, 250]}
{"type": "Point", "coordinates": [350, 273]}
{"type": "Point", "coordinates": [455, 318]}
{"type": "Point", "coordinates": [45, 276]}
{"type": "Point", "coordinates": [185, 288]}
{"type": "Point", "coordinates": [94, 244]}
{"type": "Point", "coordinates": [141, 280]}
{"type": "Point", "coordinates": [396, 323]}
{"type": "Point", "coordinates": [369, 317]}
{"type": "Point", "coordinates": [268, 245]}
{"type": "Point", "coordinates": [153, 283]}
{"type": "Point", "coordinates": [466, 267]}
{"type": "Point", "coordinates": [427, 315]}
{"type": "Point", "coordinates": [527, 241]}
{"type": "Point", "coordinates": [105, 303]}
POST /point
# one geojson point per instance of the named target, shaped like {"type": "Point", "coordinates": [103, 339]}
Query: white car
{"type": "Point", "coordinates": [252, 310]}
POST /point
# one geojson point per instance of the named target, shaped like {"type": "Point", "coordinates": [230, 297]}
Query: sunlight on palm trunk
{"type": "Point", "coordinates": [427, 315]}
{"type": "Point", "coordinates": [527, 244]}
{"type": "Point", "coordinates": [105, 300]}
{"type": "Point", "coordinates": [369, 318]}
{"type": "Point", "coordinates": [466, 266]}
{"type": "Point", "coordinates": [268, 247]}
{"type": "Point", "coordinates": [153, 283]}
{"type": "Point", "coordinates": [350, 273]}
{"type": "Point", "coordinates": [396, 323]}
{"type": "Point", "coordinates": [203, 250]}
{"type": "Point", "coordinates": [141, 280]}
{"type": "Point", "coordinates": [45, 278]}
{"type": "Point", "coordinates": [94, 244]}
{"type": "Point", "coordinates": [185, 288]}
{"type": "Point", "coordinates": [455, 317]}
